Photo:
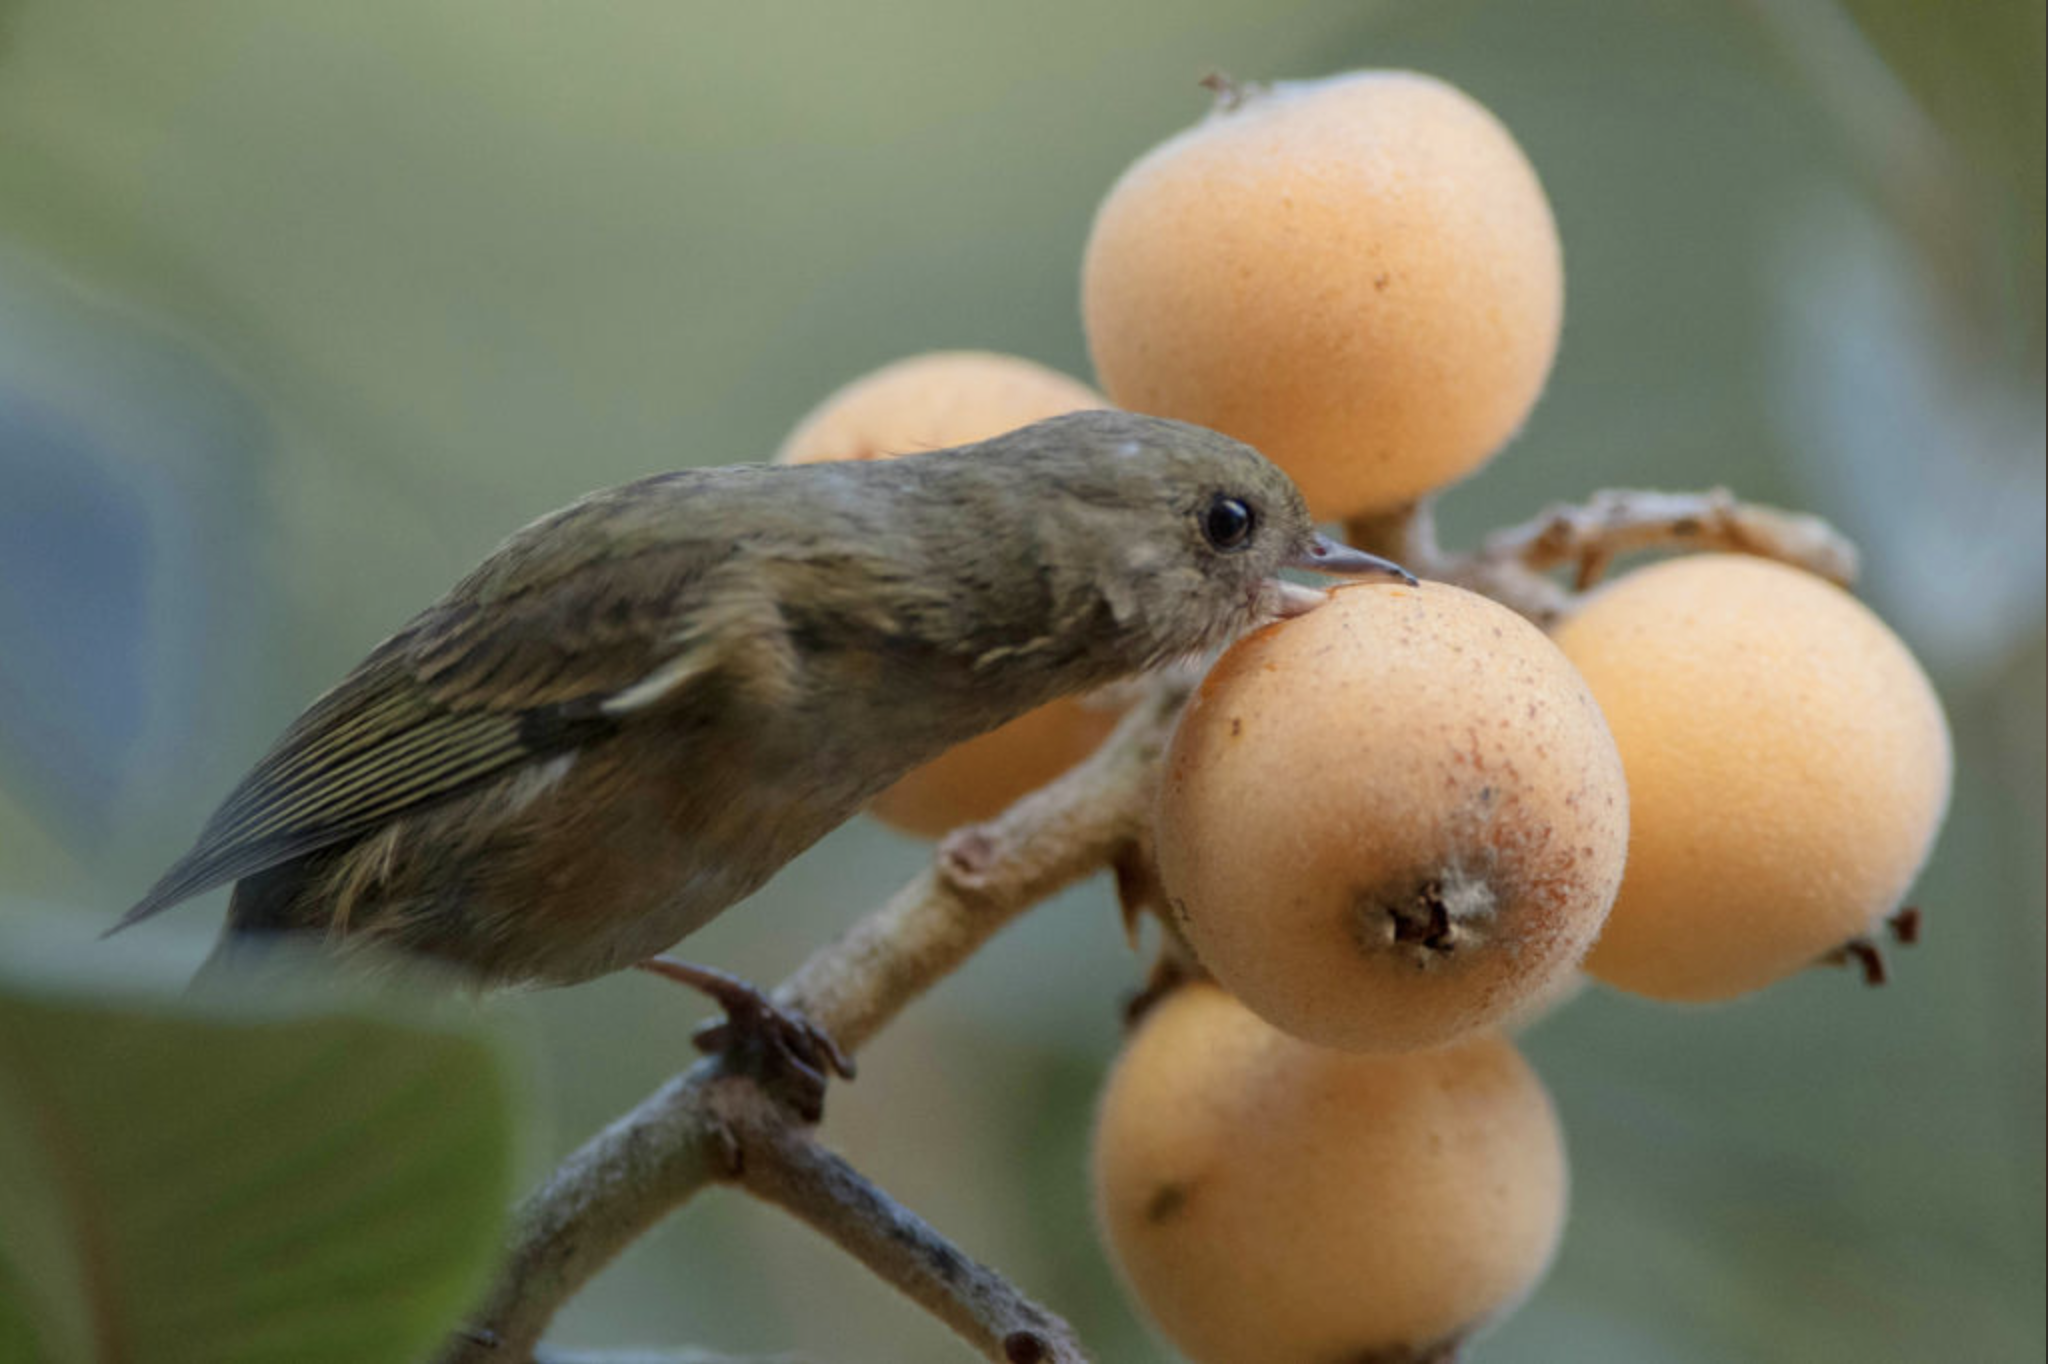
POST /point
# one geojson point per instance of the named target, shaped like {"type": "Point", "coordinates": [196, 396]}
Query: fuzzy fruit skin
{"type": "Point", "coordinates": [932, 401]}
{"type": "Point", "coordinates": [1788, 764]}
{"type": "Point", "coordinates": [981, 778]}
{"type": "Point", "coordinates": [1339, 774]}
{"type": "Point", "coordinates": [1360, 276]}
{"type": "Point", "coordinates": [929, 402]}
{"type": "Point", "coordinates": [1272, 1202]}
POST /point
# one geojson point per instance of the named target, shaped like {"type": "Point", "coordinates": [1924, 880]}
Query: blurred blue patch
{"type": "Point", "coordinates": [74, 555]}
{"type": "Point", "coordinates": [130, 514]}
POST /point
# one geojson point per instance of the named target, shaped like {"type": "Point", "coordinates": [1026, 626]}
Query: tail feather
{"type": "Point", "coordinates": [260, 922]}
{"type": "Point", "coordinates": [181, 882]}
{"type": "Point", "coordinates": [211, 864]}
{"type": "Point", "coordinates": [232, 954]}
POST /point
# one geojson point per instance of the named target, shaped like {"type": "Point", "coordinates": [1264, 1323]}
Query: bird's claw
{"type": "Point", "coordinates": [804, 1041]}
{"type": "Point", "coordinates": [755, 1025]}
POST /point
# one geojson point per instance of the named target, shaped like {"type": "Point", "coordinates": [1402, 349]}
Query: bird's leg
{"type": "Point", "coordinates": [755, 1023]}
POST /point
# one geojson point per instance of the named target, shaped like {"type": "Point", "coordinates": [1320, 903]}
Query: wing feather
{"type": "Point", "coordinates": [516, 665]}
{"type": "Point", "coordinates": [375, 747]}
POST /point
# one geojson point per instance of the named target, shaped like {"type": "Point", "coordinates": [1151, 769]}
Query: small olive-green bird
{"type": "Point", "coordinates": [639, 707]}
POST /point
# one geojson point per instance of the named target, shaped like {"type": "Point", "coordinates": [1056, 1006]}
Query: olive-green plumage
{"type": "Point", "coordinates": [641, 706]}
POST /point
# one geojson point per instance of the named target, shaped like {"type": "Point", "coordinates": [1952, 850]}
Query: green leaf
{"type": "Point", "coordinates": [240, 1178]}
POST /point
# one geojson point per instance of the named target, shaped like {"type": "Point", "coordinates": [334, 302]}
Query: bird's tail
{"type": "Point", "coordinates": [237, 955]}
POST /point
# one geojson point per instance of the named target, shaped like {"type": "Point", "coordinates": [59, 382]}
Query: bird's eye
{"type": "Point", "coordinates": [1227, 523]}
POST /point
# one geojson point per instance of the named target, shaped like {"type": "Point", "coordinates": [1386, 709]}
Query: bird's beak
{"type": "Point", "coordinates": [1324, 555]}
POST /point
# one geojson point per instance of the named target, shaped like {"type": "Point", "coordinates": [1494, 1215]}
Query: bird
{"type": "Point", "coordinates": [640, 706]}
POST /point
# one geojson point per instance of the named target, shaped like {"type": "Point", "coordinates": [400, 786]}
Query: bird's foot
{"type": "Point", "coordinates": [755, 1026]}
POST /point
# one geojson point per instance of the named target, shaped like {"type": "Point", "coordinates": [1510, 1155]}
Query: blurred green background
{"type": "Point", "coordinates": [302, 307]}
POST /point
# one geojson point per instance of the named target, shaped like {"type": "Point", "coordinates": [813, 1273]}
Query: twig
{"type": "Point", "coordinates": [1511, 565]}
{"type": "Point", "coordinates": [660, 1356]}
{"type": "Point", "coordinates": [604, 1196]}
{"type": "Point", "coordinates": [693, 1130]}
{"type": "Point", "coordinates": [986, 875]}
{"type": "Point", "coordinates": [785, 1165]}
{"type": "Point", "coordinates": [1620, 520]}
{"type": "Point", "coordinates": [1407, 535]}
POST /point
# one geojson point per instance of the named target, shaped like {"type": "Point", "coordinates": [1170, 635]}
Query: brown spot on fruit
{"type": "Point", "coordinates": [1388, 867]}
{"type": "Point", "coordinates": [1167, 1202]}
{"type": "Point", "coordinates": [1382, 1205]}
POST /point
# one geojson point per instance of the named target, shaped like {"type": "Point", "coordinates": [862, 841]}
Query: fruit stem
{"type": "Point", "coordinates": [1406, 534]}
{"type": "Point", "coordinates": [1230, 95]}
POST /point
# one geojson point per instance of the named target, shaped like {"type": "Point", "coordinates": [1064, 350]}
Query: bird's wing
{"type": "Point", "coordinates": [529, 657]}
